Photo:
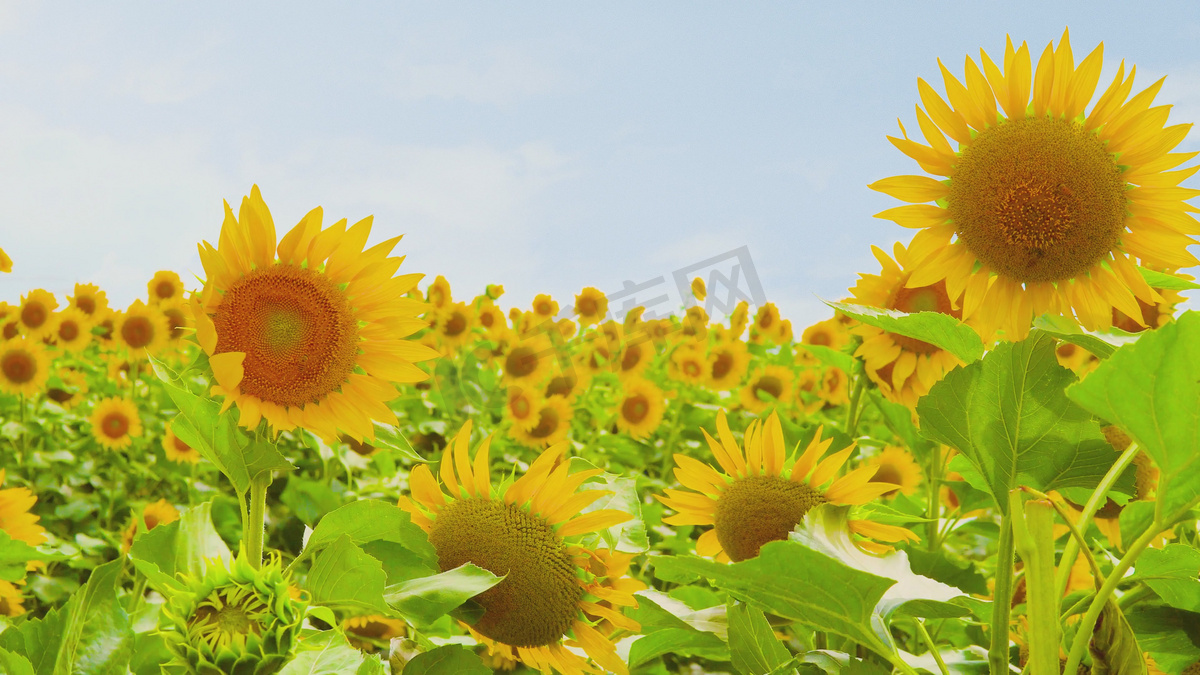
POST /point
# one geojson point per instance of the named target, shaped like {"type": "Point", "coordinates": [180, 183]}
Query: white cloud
{"type": "Point", "coordinates": [500, 77]}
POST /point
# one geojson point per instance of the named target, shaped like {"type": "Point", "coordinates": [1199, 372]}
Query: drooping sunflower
{"type": "Point", "coordinates": [525, 532]}
{"type": "Point", "coordinates": [90, 300]}
{"type": "Point", "coordinates": [591, 306]}
{"type": "Point", "coordinates": [640, 408]}
{"type": "Point", "coordinates": [1044, 205]}
{"type": "Point", "coordinates": [72, 330]}
{"type": "Point", "coordinates": [35, 314]}
{"type": "Point", "coordinates": [728, 361]}
{"type": "Point", "coordinates": [141, 330]}
{"type": "Point", "coordinates": [770, 386]}
{"type": "Point", "coordinates": [166, 286]}
{"type": "Point", "coordinates": [24, 366]}
{"type": "Point", "coordinates": [896, 466]}
{"type": "Point", "coordinates": [904, 368]}
{"type": "Point", "coordinates": [176, 450]}
{"type": "Point", "coordinates": [553, 423]}
{"type": "Point", "coordinates": [763, 494]}
{"type": "Point", "coordinates": [115, 423]}
{"type": "Point", "coordinates": [308, 332]}
{"type": "Point", "coordinates": [15, 519]}
{"type": "Point", "coordinates": [154, 514]}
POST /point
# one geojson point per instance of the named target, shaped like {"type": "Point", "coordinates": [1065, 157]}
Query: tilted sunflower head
{"type": "Point", "coordinates": [554, 590]}
{"type": "Point", "coordinates": [233, 619]}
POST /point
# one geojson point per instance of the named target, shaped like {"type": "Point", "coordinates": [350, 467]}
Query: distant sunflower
{"type": "Point", "coordinates": [528, 361]}
{"type": "Point", "coordinates": [1154, 315]}
{"type": "Point", "coordinates": [35, 314]}
{"type": "Point", "coordinates": [828, 333]}
{"type": "Point", "coordinates": [454, 323]}
{"type": "Point", "coordinates": [438, 293]}
{"type": "Point", "coordinates": [141, 330]}
{"type": "Point", "coordinates": [72, 330]}
{"type": "Point", "coordinates": [739, 318]}
{"type": "Point", "coordinates": [154, 514]}
{"type": "Point", "coordinates": [568, 383]}
{"type": "Point", "coordinates": [769, 386]}
{"type": "Point", "coordinates": [307, 332]}
{"type": "Point", "coordinates": [636, 356]}
{"type": "Point", "coordinates": [689, 364]}
{"type": "Point", "coordinates": [640, 408]}
{"type": "Point", "coordinates": [90, 300]}
{"type": "Point", "coordinates": [695, 323]}
{"type": "Point", "coordinates": [491, 319]}
{"type": "Point", "coordinates": [71, 389]}
{"type": "Point", "coordinates": [165, 287]}
{"type": "Point", "coordinates": [544, 306]}
{"type": "Point", "coordinates": [596, 355]}
{"type": "Point", "coordinates": [24, 366]}
{"type": "Point", "coordinates": [699, 291]}
{"type": "Point", "coordinates": [728, 361]}
{"type": "Point", "coordinates": [10, 596]}
{"type": "Point", "coordinates": [762, 494]}
{"type": "Point", "coordinates": [768, 326]}
{"type": "Point", "coordinates": [897, 467]}
{"type": "Point", "coordinates": [834, 389]}
{"type": "Point", "coordinates": [1044, 206]}
{"type": "Point", "coordinates": [15, 519]}
{"type": "Point", "coordinates": [5, 262]}
{"type": "Point", "coordinates": [115, 423]}
{"type": "Point", "coordinates": [372, 631]}
{"type": "Point", "coordinates": [522, 408]}
{"type": "Point", "coordinates": [179, 319]}
{"type": "Point", "coordinates": [591, 306]}
{"type": "Point", "coordinates": [904, 368]}
{"type": "Point", "coordinates": [553, 423]}
{"type": "Point", "coordinates": [176, 450]}
{"type": "Point", "coordinates": [525, 533]}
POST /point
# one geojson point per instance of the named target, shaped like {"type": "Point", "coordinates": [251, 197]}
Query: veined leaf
{"type": "Point", "coordinates": [752, 644]}
{"type": "Point", "coordinates": [448, 660]}
{"type": "Point", "coordinates": [371, 520]}
{"type": "Point", "coordinates": [940, 330]}
{"type": "Point", "coordinates": [426, 599]}
{"type": "Point", "coordinates": [326, 653]}
{"type": "Point", "coordinates": [345, 576]}
{"type": "Point", "coordinates": [1172, 572]}
{"type": "Point", "coordinates": [1100, 344]}
{"type": "Point", "coordinates": [1114, 647]}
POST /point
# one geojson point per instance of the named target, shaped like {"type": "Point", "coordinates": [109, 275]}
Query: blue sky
{"type": "Point", "coordinates": [545, 146]}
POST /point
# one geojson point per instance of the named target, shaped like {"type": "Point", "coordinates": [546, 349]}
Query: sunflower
{"type": "Point", "coordinates": [728, 361]}
{"type": "Point", "coordinates": [158, 513]}
{"type": "Point", "coordinates": [897, 467]}
{"type": "Point", "coordinates": [544, 306]}
{"type": "Point", "coordinates": [141, 329]}
{"type": "Point", "coordinates": [1043, 208]}
{"type": "Point", "coordinates": [771, 382]}
{"type": "Point", "coordinates": [568, 383]}
{"type": "Point", "coordinates": [176, 450]}
{"type": "Point", "coordinates": [1154, 315]}
{"type": "Point", "coordinates": [904, 368]}
{"type": "Point", "coordinates": [438, 293]}
{"type": "Point", "coordinates": [553, 423]}
{"type": "Point", "coordinates": [762, 494]}
{"type": "Point", "coordinates": [1072, 356]}
{"type": "Point", "coordinates": [115, 423]}
{"type": "Point", "coordinates": [808, 386]}
{"type": "Point", "coordinates": [34, 316]}
{"type": "Point", "coordinates": [529, 360]}
{"type": "Point", "coordinates": [90, 300]}
{"type": "Point", "coordinates": [635, 357]}
{"type": "Point", "coordinates": [640, 408]}
{"type": "Point", "coordinates": [689, 364]}
{"type": "Point", "coordinates": [524, 532]}
{"type": "Point", "coordinates": [24, 366]}
{"type": "Point", "coordinates": [768, 326]}
{"type": "Point", "coordinates": [5, 262]}
{"type": "Point", "coordinates": [453, 325]}
{"type": "Point", "coordinates": [522, 408]}
{"type": "Point", "coordinates": [699, 291]}
{"type": "Point", "coordinates": [15, 519]}
{"type": "Point", "coordinates": [71, 389]}
{"type": "Point", "coordinates": [165, 287]}
{"type": "Point", "coordinates": [591, 305]}
{"type": "Point", "coordinates": [369, 632]}
{"type": "Point", "coordinates": [738, 319]}
{"type": "Point", "coordinates": [72, 330]}
{"type": "Point", "coordinates": [834, 389]}
{"type": "Point", "coordinates": [10, 595]}
{"type": "Point", "coordinates": [596, 355]}
{"type": "Point", "coordinates": [566, 328]}
{"type": "Point", "coordinates": [178, 317]}
{"type": "Point", "coordinates": [307, 332]}
{"type": "Point", "coordinates": [828, 333]}
{"type": "Point", "coordinates": [695, 323]}
{"type": "Point", "coordinates": [492, 319]}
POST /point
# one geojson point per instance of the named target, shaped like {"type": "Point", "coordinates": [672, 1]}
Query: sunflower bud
{"type": "Point", "coordinates": [233, 619]}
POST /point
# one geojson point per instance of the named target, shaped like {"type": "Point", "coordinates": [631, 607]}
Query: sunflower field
{"type": "Point", "coordinates": [313, 460]}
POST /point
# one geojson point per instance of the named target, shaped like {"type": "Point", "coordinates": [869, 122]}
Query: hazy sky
{"type": "Point", "coordinates": [545, 146]}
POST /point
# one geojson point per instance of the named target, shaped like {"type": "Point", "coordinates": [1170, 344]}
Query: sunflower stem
{"type": "Point", "coordinates": [933, 511]}
{"type": "Point", "coordinates": [257, 525]}
{"type": "Point", "coordinates": [937, 655]}
{"type": "Point", "coordinates": [860, 385]}
{"type": "Point", "coordinates": [1033, 538]}
{"type": "Point", "coordinates": [673, 434]}
{"type": "Point", "coordinates": [998, 657]}
{"type": "Point", "coordinates": [24, 436]}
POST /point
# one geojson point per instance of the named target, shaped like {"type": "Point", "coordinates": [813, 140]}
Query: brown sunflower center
{"type": "Point", "coordinates": [34, 314]}
{"type": "Point", "coordinates": [921, 299]}
{"type": "Point", "coordinates": [181, 446]}
{"type": "Point", "coordinates": [521, 361]}
{"type": "Point", "coordinates": [544, 308]}
{"type": "Point", "coordinates": [1038, 199]}
{"type": "Point", "coordinates": [175, 321]}
{"type": "Point", "coordinates": [631, 358]}
{"type": "Point", "coordinates": [765, 320]}
{"type": "Point", "coordinates": [561, 385]}
{"type": "Point", "coordinates": [692, 368]}
{"type": "Point", "coordinates": [635, 408]}
{"type": "Point", "coordinates": [820, 338]}
{"type": "Point", "coordinates": [455, 325]}
{"type": "Point", "coordinates": [886, 473]}
{"type": "Point", "coordinates": [547, 423]}
{"type": "Point", "coordinates": [137, 332]}
{"type": "Point", "coordinates": [59, 396]}
{"type": "Point", "coordinates": [18, 367]}
{"type": "Point", "coordinates": [68, 330]}
{"type": "Point", "coordinates": [587, 306]}
{"type": "Point", "coordinates": [538, 600]}
{"type": "Point", "coordinates": [768, 384]}
{"type": "Point", "coordinates": [165, 290]}
{"type": "Point", "coordinates": [114, 425]}
{"type": "Point", "coordinates": [487, 319]}
{"type": "Point", "coordinates": [722, 365]}
{"type": "Point", "coordinates": [11, 330]}
{"type": "Point", "coordinates": [86, 304]}
{"type": "Point", "coordinates": [297, 330]}
{"type": "Point", "coordinates": [756, 510]}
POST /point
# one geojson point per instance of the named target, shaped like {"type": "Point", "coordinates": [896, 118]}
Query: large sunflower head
{"type": "Point", "coordinates": [763, 494]}
{"type": "Point", "coordinates": [90, 300]}
{"type": "Point", "coordinates": [115, 423]}
{"type": "Point", "coordinates": [166, 286]}
{"type": "Point", "coordinates": [904, 368]}
{"type": "Point", "coordinates": [526, 532]}
{"type": "Point", "coordinates": [307, 331]}
{"type": "Point", "coordinates": [72, 330]}
{"type": "Point", "coordinates": [640, 408]}
{"type": "Point", "coordinates": [24, 366]}
{"type": "Point", "coordinates": [141, 330]}
{"type": "Point", "coordinates": [1044, 205]}
{"type": "Point", "coordinates": [15, 519]}
{"type": "Point", "coordinates": [35, 314]}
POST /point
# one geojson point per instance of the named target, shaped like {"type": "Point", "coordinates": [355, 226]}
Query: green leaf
{"type": "Point", "coordinates": [1168, 282]}
{"type": "Point", "coordinates": [1172, 572]}
{"type": "Point", "coordinates": [629, 536]}
{"type": "Point", "coordinates": [940, 330]}
{"type": "Point", "coordinates": [948, 568]}
{"type": "Point", "coordinates": [344, 576]}
{"type": "Point", "coordinates": [1114, 647]}
{"type": "Point", "coordinates": [14, 664]}
{"type": "Point", "coordinates": [1100, 344]}
{"type": "Point", "coordinates": [831, 357]}
{"type": "Point", "coordinates": [309, 499]}
{"type": "Point", "coordinates": [752, 644]}
{"type": "Point", "coordinates": [898, 419]}
{"type": "Point", "coordinates": [448, 660]}
{"type": "Point", "coordinates": [426, 599]}
{"type": "Point", "coordinates": [1008, 415]}
{"type": "Point", "coordinates": [1151, 390]}
{"type": "Point", "coordinates": [324, 654]}
{"type": "Point", "coordinates": [183, 547]}
{"type": "Point", "coordinates": [390, 438]}
{"type": "Point", "coordinates": [399, 563]}
{"type": "Point", "coordinates": [682, 641]}
{"type": "Point", "coordinates": [1172, 636]}
{"type": "Point", "coordinates": [371, 520]}
{"type": "Point", "coordinates": [14, 553]}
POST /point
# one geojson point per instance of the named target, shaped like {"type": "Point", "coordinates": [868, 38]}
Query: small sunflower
{"type": "Point", "coordinates": [695, 324]}
{"type": "Point", "coordinates": [438, 293]}
{"type": "Point", "coordinates": [636, 355]}
{"type": "Point", "coordinates": [897, 467]}
{"type": "Point", "coordinates": [35, 314]}
{"type": "Point", "coordinates": [828, 333]}
{"type": "Point", "coordinates": [553, 423]}
{"type": "Point", "coordinates": [10, 596]}
{"type": "Point", "coordinates": [15, 519]}
{"type": "Point", "coordinates": [640, 408]}
{"type": "Point", "coordinates": [371, 632]}
{"type": "Point", "coordinates": [90, 300]}
{"type": "Point", "coordinates": [529, 360]}
{"type": "Point", "coordinates": [738, 319]}
{"type": "Point", "coordinates": [728, 361]}
{"type": "Point", "coordinates": [141, 330]}
{"type": "Point", "coordinates": [522, 408]}
{"type": "Point", "coordinates": [1045, 206]}
{"type": "Point", "coordinates": [591, 306]}
{"type": "Point", "coordinates": [524, 532]}
{"type": "Point", "coordinates": [115, 423]}
{"type": "Point", "coordinates": [179, 319]}
{"type": "Point", "coordinates": [689, 364]}
{"type": "Point", "coordinates": [545, 306]}
{"type": "Point", "coordinates": [768, 326]}
{"type": "Point", "coordinates": [154, 514]}
{"type": "Point", "coordinates": [72, 330]}
{"type": "Point", "coordinates": [834, 389]}
{"type": "Point", "coordinates": [769, 386]}
{"type": "Point", "coordinates": [176, 450]}
{"type": "Point", "coordinates": [453, 325]}
{"type": "Point", "coordinates": [492, 319]}
{"type": "Point", "coordinates": [24, 366]}
{"type": "Point", "coordinates": [307, 331]}
{"type": "Point", "coordinates": [568, 383]}
{"type": "Point", "coordinates": [762, 494]}
{"type": "Point", "coordinates": [165, 287]}
{"type": "Point", "coordinates": [71, 389]}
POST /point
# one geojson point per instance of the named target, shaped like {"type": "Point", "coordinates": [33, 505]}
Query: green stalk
{"type": "Point", "coordinates": [672, 435]}
{"type": "Point", "coordinates": [852, 412]}
{"type": "Point", "coordinates": [998, 657]}
{"type": "Point", "coordinates": [933, 510]}
{"type": "Point", "coordinates": [937, 656]}
{"type": "Point", "coordinates": [257, 525]}
{"type": "Point", "coordinates": [1033, 538]}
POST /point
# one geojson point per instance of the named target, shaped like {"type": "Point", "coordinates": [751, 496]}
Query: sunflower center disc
{"type": "Point", "coordinates": [297, 330]}
{"type": "Point", "coordinates": [921, 299]}
{"type": "Point", "coordinates": [635, 408]}
{"type": "Point", "coordinates": [722, 365]}
{"type": "Point", "coordinates": [165, 290]}
{"type": "Point", "coordinates": [137, 332]}
{"type": "Point", "coordinates": [18, 367]}
{"type": "Point", "coordinates": [1038, 199]}
{"type": "Point", "coordinates": [85, 304]}
{"type": "Point", "coordinates": [769, 384]}
{"type": "Point", "coordinates": [759, 509]}
{"type": "Point", "coordinates": [34, 314]}
{"type": "Point", "coordinates": [456, 325]}
{"type": "Point", "coordinates": [521, 361]}
{"type": "Point", "coordinates": [538, 600]}
{"type": "Point", "coordinates": [68, 330]}
{"type": "Point", "coordinates": [115, 425]}
{"type": "Point", "coordinates": [547, 423]}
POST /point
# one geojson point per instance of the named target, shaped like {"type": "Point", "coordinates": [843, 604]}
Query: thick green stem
{"type": "Point", "coordinates": [998, 658]}
{"type": "Point", "coordinates": [1033, 538]}
{"type": "Point", "coordinates": [257, 523]}
{"type": "Point", "coordinates": [852, 412]}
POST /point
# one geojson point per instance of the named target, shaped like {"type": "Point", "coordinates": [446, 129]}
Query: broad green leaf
{"type": "Point", "coordinates": [1100, 344]}
{"type": "Point", "coordinates": [399, 563]}
{"type": "Point", "coordinates": [1173, 572]}
{"type": "Point", "coordinates": [682, 641]}
{"type": "Point", "coordinates": [448, 660]}
{"type": "Point", "coordinates": [831, 357]}
{"type": "Point", "coordinates": [1008, 415]}
{"type": "Point", "coordinates": [371, 520]}
{"type": "Point", "coordinates": [183, 547]}
{"type": "Point", "coordinates": [391, 438]}
{"type": "Point", "coordinates": [426, 599]}
{"type": "Point", "coordinates": [1114, 647]}
{"type": "Point", "coordinates": [14, 664]}
{"type": "Point", "coordinates": [1172, 636]}
{"type": "Point", "coordinates": [940, 330]}
{"type": "Point", "coordinates": [658, 610]}
{"type": "Point", "coordinates": [15, 553]}
{"type": "Point", "coordinates": [324, 654]}
{"type": "Point", "coordinates": [309, 500]}
{"type": "Point", "coordinates": [948, 568]}
{"type": "Point", "coordinates": [1151, 390]}
{"type": "Point", "coordinates": [753, 647]}
{"type": "Point", "coordinates": [898, 419]}
{"type": "Point", "coordinates": [1167, 281]}
{"type": "Point", "coordinates": [344, 576]}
